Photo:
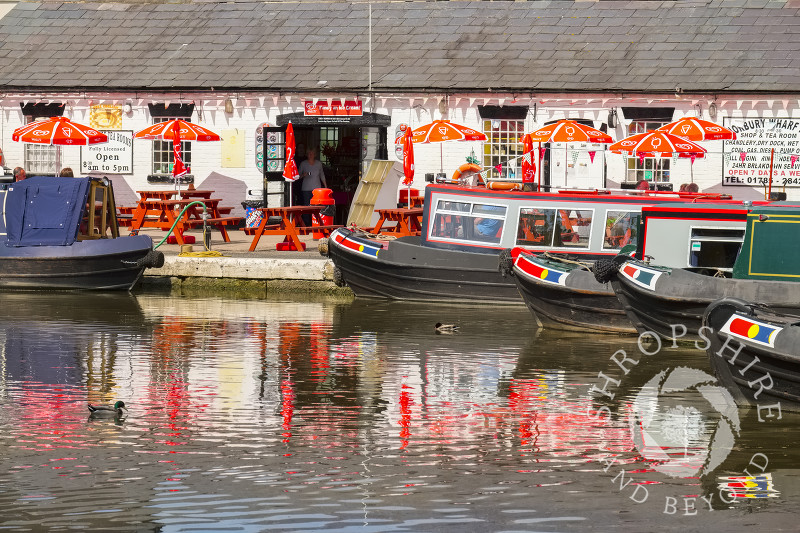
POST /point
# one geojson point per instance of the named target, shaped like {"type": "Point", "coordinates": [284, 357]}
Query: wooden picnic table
{"type": "Point", "coordinates": [166, 194]}
{"type": "Point", "coordinates": [408, 221]}
{"type": "Point", "coordinates": [153, 212]}
{"type": "Point", "coordinates": [291, 225]}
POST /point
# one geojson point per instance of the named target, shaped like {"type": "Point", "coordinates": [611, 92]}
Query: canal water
{"type": "Point", "coordinates": [262, 415]}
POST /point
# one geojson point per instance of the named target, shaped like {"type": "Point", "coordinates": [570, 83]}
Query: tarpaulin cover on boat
{"type": "Point", "coordinates": [45, 211]}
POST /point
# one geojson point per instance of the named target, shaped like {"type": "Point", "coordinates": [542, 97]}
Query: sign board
{"type": "Point", "coordinates": [105, 117]}
{"type": "Point", "coordinates": [336, 108]}
{"type": "Point", "coordinates": [232, 148]}
{"type": "Point", "coordinates": [115, 156]}
{"type": "Point", "coordinates": [746, 160]}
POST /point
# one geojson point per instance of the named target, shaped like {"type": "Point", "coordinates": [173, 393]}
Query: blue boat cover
{"type": "Point", "coordinates": [45, 211]}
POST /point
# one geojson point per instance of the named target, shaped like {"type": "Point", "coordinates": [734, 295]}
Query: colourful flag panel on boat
{"type": "Point", "coordinates": [356, 246]}
{"type": "Point", "coordinates": [534, 270]}
{"type": "Point", "coordinates": [641, 276]}
{"type": "Point", "coordinates": [751, 330]}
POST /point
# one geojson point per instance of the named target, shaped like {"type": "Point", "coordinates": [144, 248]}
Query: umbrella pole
{"type": "Point", "coordinates": [539, 160]}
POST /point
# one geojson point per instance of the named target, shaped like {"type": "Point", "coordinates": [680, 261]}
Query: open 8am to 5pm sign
{"type": "Point", "coordinates": [746, 160]}
{"type": "Point", "coordinates": [115, 156]}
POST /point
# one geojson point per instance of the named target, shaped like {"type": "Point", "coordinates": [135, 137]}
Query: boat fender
{"type": "Point", "coordinates": [322, 247]}
{"type": "Point", "coordinates": [153, 259]}
{"type": "Point", "coordinates": [338, 277]}
{"type": "Point", "coordinates": [605, 269]}
{"type": "Point", "coordinates": [506, 263]}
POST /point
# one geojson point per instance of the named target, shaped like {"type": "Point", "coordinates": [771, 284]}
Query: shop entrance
{"type": "Point", "coordinates": [345, 149]}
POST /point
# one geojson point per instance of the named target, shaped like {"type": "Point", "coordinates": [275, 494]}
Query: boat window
{"type": "Point", "coordinates": [621, 229]}
{"type": "Point", "coordinates": [715, 247]}
{"type": "Point", "coordinates": [576, 227]}
{"type": "Point", "coordinates": [536, 227]}
{"type": "Point", "coordinates": [443, 205]}
{"type": "Point", "coordinates": [468, 222]}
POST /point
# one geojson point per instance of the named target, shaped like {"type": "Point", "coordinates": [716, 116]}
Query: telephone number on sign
{"type": "Point", "coordinates": [757, 181]}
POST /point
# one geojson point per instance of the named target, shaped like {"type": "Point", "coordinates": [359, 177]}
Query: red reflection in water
{"type": "Point", "coordinates": [406, 401]}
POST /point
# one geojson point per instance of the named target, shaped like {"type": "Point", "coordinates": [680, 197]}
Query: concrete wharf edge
{"type": "Point", "coordinates": [263, 271]}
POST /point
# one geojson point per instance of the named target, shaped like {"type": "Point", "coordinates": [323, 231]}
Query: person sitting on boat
{"type": "Point", "coordinates": [643, 185]}
{"type": "Point", "coordinates": [66, 172]}
{"type": "Point", "coordinates": [488, 228]}
{"type": "Point", "coordinates": [19, 174]}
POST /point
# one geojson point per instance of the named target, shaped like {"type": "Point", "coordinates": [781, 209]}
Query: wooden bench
{"type": "Point", "coordinates": [221, 221]}
{"type": "Point", "coordinates": [252, 230]}
{"type": "Point", "coordinates": [305, 230]}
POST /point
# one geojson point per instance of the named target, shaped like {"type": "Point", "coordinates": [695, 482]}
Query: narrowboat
{"type": "Point", "coordinates": [62, 234]}
{"type": "Point", "coordinates": [755, 354]}
{"type": "Point", "coordinates": [457, 255]}
{"type": "Point", "coordinates": [759, 265]}
{"type": "Point", "coordinates": [569, 295]}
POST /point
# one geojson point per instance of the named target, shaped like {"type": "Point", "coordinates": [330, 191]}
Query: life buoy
{"type": "Point", "coordinates": [503, 186]}
{"type": "Point", "coordinates": [467, 167]}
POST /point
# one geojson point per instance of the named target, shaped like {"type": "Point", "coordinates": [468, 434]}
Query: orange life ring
{"type": "Point", "coordinates": [467, 167]}
{"type": "Point", "coordinates": [503, 186]}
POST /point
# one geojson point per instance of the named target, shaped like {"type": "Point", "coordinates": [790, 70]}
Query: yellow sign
{"type": "Point", "coordinates": [105, 117]}
{"type": "Point", "coordinates": [232, 148]}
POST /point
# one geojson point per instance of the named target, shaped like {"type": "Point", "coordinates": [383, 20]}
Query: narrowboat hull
{"type": "Point", "coordinates": [568, 298]}
{"type": "Point", "coordinates": [766, 369]}
{"type": "Point", "coordinates": [102, 264]}
{"type": "Point", "coordinates": [404, 270]}
{"type": "Point", "coordinates": [664, 301]}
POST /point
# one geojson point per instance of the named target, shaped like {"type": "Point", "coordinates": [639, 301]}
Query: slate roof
{"type": "Point", "coordinates": [544, 46]}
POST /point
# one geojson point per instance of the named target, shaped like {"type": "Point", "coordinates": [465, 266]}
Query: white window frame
{"type": "Point", "coordinates": [503, 145]}
{"type": "Point", "coordinates": [41, 159]}
{"type": "Point", "coordinates": [162, 154]}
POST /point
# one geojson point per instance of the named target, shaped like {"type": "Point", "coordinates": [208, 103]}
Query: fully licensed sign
{"type": "Point", "coordinates": [114, 157]}
{"type": "Point", "coordinates": [746, 160]}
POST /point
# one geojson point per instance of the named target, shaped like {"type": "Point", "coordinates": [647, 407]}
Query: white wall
{"type": "Point", "coordinates": [252, 110]}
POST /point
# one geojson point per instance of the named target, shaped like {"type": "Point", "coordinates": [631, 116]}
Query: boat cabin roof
{"type": "Point", "coordinates": [43, 210]}
{"type": "Point", "coordinates": [579, 222]}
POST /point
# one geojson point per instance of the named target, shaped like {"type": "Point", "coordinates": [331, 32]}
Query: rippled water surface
{"type": "Point", "coordinates": [254, 415]}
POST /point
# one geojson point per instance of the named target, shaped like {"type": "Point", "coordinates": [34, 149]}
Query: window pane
{"type": "Point", "coordinates": [621, 229]}
{"type": "Point", "coordinates": [536, 227]}
{"type": "Point", "coordinates": [575, 228]}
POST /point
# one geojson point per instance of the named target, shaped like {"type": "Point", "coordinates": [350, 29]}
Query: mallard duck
{"type": "Point", "coordinates": [107, 410]}
{"type": "Point", "coordinates": [445, 328]}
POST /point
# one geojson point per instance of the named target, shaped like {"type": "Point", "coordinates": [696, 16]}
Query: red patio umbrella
{"type": "Point", "coordinates": [658, 143]}
{"type": "Point", "coordinates": [408, 162]}
{"type": "Point", "coordinates": [187, 131]}
{"type": "Point", "coordinates": [177, 130]}
{"type": "Point", "coordinates": [290, 166]}
{"type": "Point", "coordinates": [178, 168]}
{"type": "Point", "coordinates": [443, 130]}
{"type": "Point", "coordinates": [697, 129]}
{"type": "Point", "coordinates": [58, 130]}
{"type": "Point", "coordinates": [565, 131]}
{"type": "Point", "coordinates": [528, 165]}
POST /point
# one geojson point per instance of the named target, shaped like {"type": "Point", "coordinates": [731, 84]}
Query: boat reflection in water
{"type": "Point", "coordinates": [313, 413]}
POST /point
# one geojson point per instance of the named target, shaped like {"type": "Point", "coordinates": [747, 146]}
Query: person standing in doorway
{"type": "Point", "coordinates": [313, 178]}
